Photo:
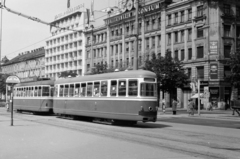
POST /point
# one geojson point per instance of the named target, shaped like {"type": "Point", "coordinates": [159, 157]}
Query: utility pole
{"type": "Point", "coordinates": [1, 36]}
{"type": "Point", "coordinates": [135, 67]}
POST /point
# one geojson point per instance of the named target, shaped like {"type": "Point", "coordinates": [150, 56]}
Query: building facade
{"type": "Point", "coordinates": [64, 50]}
{"type": "Point", "coordinates": [27, 64]}
{"type": "Point", "coordinates": [201, 34]}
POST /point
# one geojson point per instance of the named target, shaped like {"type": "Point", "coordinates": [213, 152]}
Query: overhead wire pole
{"type": "Point", "coordinates": [1, 6]}
{"type": "Point", "coordinates": [136, 36]}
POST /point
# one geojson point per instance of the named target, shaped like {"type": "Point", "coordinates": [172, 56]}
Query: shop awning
{"type": "Point", "coordinates": [196, 95]}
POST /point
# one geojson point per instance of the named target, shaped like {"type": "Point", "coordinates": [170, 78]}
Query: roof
{"type": "Point", "coordinates": [40, 52]}
{"type": "Point", "coordinates": [37, 83]}
{"type": "Point", "coordinates": [112, 75]}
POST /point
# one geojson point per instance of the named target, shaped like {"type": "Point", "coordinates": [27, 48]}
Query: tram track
{"type": "Point", "coordinates": [190, 146]}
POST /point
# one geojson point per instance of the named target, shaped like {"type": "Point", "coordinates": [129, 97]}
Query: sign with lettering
{"type": "Point", "coordinates": [131, 13]}
{"type": "Point", "coordinates": [70, 11]}
{"type": "Point", "coordinates": [12, 80]}
{"type": "Point", "coordinates": [213, 47]}
{"type": "Point", "coordinates": [214, 71]}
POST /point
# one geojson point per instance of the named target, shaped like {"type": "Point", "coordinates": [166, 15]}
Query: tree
{"type": "Point", "coordinates": [234, 64]}
{"type": "Point", "coordinates": [66, 74]}
{"type": "Point", "coordinates": [3, 78]}
{"type": "Point", "coordinates": [170, 73]}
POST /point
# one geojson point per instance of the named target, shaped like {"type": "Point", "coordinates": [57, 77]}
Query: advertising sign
{"type": "Point", "coordinates": [213, 47]}
{"type": "Point", "coordinates": [214, 71]}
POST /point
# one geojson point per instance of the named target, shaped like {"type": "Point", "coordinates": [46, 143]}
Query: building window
{"type": "Point", "coordinates": [199, 11]}
{"type": "Point", "coordinates": [169, 19]}
{"type": "Point", "coordinates": [189, 34]}
{"type": "Point", "coordinates": [200, 72]}
{"type": "Point", "coordinates": [182, 36]}
{"type": "Point", "coordinates": [238, 11]}
{"type": "Point", "coordinates": [190, 14]}
{"type": "Point", "coordinates": [176, 55]}
{"type": "Point", "coordinates": [153, 42]}
{"type": "Point", "coordinates": [189, 72]}
{"type": "Point", "coordinates": [227, 51]}
{"type": "Point", "coordinates": [200, 52]}
{"type": "Point", "coordinates": [176, 18]}
{"type": "Point", "coordinates": [227, 71]}
{"type": "Point", "coordinates": [227, 30]}
{"type": "Point", "coordinates": [238, 32]}
{"type": "Point", "coordinates": [159, 40]}
{"type": "Point", "coordinates": [176, 37]}
{"type": "Point", "coordinates": [199, 32]}
{"type": "Point", "coordinates": [147, 43]}
{"type": "Point", "coordinates": [127, 47]}
{"type": "Point", "coordinates": [159, 22]}
{"type": "Point", "coordinates": [169, 39]}
{"type": "Point", "coordinates": [182, 54]}
{"type": "Point", "coordinates": [182, 17]}
{"type": "Point", "coordinates": [226, 9]}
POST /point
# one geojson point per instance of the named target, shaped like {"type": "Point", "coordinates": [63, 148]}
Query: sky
{"type": "Point", "coordinates": [20, 34]}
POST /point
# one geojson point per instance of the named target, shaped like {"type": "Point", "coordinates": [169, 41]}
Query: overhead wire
{"type": "Point", "coordinates": [109, 34]}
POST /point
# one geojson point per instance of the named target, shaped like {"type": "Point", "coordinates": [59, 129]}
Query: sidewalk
{"type": "Point", "coordinates": [215, 114]}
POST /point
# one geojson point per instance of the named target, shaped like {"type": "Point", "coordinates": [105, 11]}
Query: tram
{"type": "Point", "coordinates": [127, 96]}
{"type": "Point", "coordinates": [35, 96]}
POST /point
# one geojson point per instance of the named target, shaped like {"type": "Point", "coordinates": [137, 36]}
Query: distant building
{"type": "Point", "coordinates": [27, 64]}
{"type": "Point", "coordinates": [202, 34]}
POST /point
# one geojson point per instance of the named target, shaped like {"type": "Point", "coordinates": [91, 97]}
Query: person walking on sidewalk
{"type": "Point", "coordinates": [163, 105]}
{"type": "Point", "coordinates": [190, 107]}
{"type": "Point", "coordinates": [174, 106]}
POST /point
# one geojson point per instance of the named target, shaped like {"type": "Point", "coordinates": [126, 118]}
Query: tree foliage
{"type": "Point", "coordinates": [170, 73]}
{"type": "Point", "coordinates": [234, 63]}
{"type": "Point", "coordinates": [66, 74]}
{"type": "Point", "coordinates": [3, 78]}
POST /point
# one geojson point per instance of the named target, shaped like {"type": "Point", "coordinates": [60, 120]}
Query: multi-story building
{"type": "Point", "coordinates": [26, 65]}
{"type": "Point", "coordinates": [64, 50]}
{"type": "Point", "coordinates": [201, 34]}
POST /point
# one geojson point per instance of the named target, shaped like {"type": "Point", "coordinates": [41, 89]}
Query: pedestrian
{"type": "Point", "coordinates": [209, 106]}
{"type": "Point", "coordinates": [232, 105]}
{"type": "Point", "coordinates": [174, 106]}
{"type": "Point", "coordinates": [190, 108]}
{"type": "Point", "coordinates": [163, 105]}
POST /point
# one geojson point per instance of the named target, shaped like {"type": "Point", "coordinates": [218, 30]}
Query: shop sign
{"type": "Point", "coordinates": [214, 91]}
{"type": "Point", "coordinates": [213, 47]}
{"type": "Point", "coordinates": [203, 83]}
{"type": "Point", "coordinates": [214, 71]}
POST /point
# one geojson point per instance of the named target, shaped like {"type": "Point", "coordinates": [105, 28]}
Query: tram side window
{"type": "Point", "coordinates": [77, 90]}
{"type": "Point", "coordinates": [31, 91]}
{"type": "Point", "coordinates": [133, 88]}
{"type": "Point", "coordinates": [83, 90]}
{"type": "Point", "coordinates": [148, 89]}
{"type": "Point", "coordinates": [39, 91]}
{"type": "Point", "coordinates": [71, 90]}
{"type": "Point", "coordinates": [113, 91]}
{"type": "Point", "coordinates": [22, 92]}
{"type": "Point", "coordinates": [66, 88]}
{"type": "Point", "coordinates": [104, 88]}
{"type": "Point", "coordinates": [96, 89]}
{"type": "Point", "coordinates": [45, 91]}
{"type": "Point", "coordinates": [122, 88]}
{"type": "Point", "coordinates": [61, 91]}
{"type": "Point", "coordinates": [27, 92]}
{"type": "Point", "coordinates": [52, 91]}
{"type": "Point", "coordinates": [55, 90]}
{"type": "Point", "coordinates": [35, 91]}
{"type": "Point", "coordinates": [89, 89]}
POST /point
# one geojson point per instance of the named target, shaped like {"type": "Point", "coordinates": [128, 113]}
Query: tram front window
{"type": "Point", "coordinates": [133, 88]}
{"type": "Point", "coordinates": [148, 89]}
